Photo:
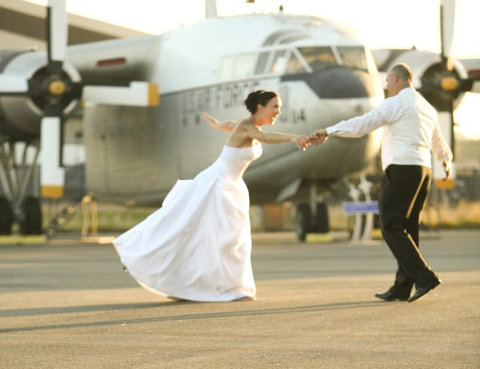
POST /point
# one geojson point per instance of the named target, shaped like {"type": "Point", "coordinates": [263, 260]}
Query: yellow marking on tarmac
{"type": "Point", "coordinates": [377, 234]}
{"type": "Point", "coordinates": [318, 237]}
{"type": "Point", "coordinates": [23, 239]}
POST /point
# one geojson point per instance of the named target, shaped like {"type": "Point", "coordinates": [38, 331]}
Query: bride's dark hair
{"type": "Point", "coordinates": [261, 97]}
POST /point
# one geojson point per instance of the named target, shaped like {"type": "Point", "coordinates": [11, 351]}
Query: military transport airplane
{"type": "Point", "coordinates": [135, 154]}
{"type": "Point", "coordinates": [143, 99]}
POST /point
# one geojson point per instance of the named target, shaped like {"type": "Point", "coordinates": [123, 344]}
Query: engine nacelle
{"type": "Point", "coordinates": [428, 74]}
{"type": "Point", "coordinates": [21, 114]}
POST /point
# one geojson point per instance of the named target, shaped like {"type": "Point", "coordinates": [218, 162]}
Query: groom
{"type": "Point", "coordinates": [410, 134]}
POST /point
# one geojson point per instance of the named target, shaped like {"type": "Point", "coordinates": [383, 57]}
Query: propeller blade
{"type": "Point", "coordinates": [447, 25]}
{"type": "Point", "coordinates": [137, 94]}
{"type": "Point", "coordinates": [211, 9]}
{"type": "Point", "coordinates": [57, 31]}
{"type": "Point", "coordinates": [52, 175]}
{"type": "Point", "coordinates": [12, 84]}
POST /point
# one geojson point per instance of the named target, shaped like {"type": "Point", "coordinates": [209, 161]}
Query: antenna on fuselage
{"type": "Point", "coordinates": [269, 7]}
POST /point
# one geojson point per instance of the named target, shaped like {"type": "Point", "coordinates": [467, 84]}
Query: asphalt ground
{"type": "Point", "coordinates": [68, 304]}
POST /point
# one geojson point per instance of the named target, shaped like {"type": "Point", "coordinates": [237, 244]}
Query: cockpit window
{"type": "Point", "coordinates": [318, 57]}
{"type": "Point", "coordinates": [294, 65]}
{"type": "Point", "coordinates": [291, 60]}
{"type": "Point", "coordinates": [353, 57]}
{"type": "Point", "coordinates": [279, 61]}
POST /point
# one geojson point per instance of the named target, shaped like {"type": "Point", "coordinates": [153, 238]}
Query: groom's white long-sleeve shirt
{"type": "Point", "coordinates": [410, 130]}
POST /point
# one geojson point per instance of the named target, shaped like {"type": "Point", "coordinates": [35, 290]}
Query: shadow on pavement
{"type": "Point", "coordinates": [228, 314]}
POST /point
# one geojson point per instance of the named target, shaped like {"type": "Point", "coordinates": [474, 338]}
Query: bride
{"type": "Point", "coordinates": [197, 246]}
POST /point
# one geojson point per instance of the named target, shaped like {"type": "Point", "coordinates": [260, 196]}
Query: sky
{"type": "Point", "coordinates": [379, 23]}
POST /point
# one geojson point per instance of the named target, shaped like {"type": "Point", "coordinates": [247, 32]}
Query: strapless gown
{"type": "Point", "coordinates": [197, 246]}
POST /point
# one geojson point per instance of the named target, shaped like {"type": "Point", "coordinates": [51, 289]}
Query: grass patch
{"type": "Point", "coordinates": [117, 219]}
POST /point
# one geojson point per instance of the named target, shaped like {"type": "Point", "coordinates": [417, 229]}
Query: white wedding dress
{"type": "Point", "coordinates": [197, 246]}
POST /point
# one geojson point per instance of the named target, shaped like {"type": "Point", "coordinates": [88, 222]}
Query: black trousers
{"type": "Point", "coordinates": [403, 194]}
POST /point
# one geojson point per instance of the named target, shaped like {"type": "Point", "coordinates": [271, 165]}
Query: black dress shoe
{"type": "Point", "coordinates": [390, 296]}
{"type": "Point", "coordinates": [424, 290]}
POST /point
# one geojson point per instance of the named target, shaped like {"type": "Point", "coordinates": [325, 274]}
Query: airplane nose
{"type": "Point", "coordinates": [338, 83]}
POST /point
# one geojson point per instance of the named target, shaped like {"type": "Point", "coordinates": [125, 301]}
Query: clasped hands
{"type": "Point", "coordinates": [318, 137]}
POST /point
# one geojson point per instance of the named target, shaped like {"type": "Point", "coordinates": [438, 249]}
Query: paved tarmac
{"type": "Point", "coordinates": [68, 304]}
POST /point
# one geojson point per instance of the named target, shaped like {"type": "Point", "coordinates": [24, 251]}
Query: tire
{"type": "Point", "coordinates": [6, 217]}
{"type": "Point", "coordinates": [303, 221]}
{"type": "Point", "coordinates": [33, 216]}
{"type": "Point", "coordinates": [322, 222]}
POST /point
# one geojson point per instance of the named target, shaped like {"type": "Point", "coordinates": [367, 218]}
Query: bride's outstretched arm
{"type": "Point", "coordinates": [302, 141]}
{"type": "Point", "coordinates": [213, 122]}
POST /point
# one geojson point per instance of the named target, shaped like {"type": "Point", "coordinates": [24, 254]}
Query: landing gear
{"type": "Point", "coordinates": [305, 223]}
{"type": "Point", "coordinates": [19, 182]}
{"type": "Point", "coordinates": [322, 224]}
{"type": "Point", "coordinates": [32, 223]}
{"type": "Point", "coordinates": [30, 219]}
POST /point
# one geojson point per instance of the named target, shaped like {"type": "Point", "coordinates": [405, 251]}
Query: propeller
{"type": "Point", "coordinates": [52, 90]}
{"type": "Point", "coordinates": [449, 82]}
{"type": "Point", "coordinates": [55, 88]}
{"type": "Point", "coordinates": [52, 175]}
{"type": "Point", "coordinates": [441, 84]}
{"type": "Point", "coordinates": [447, 23]}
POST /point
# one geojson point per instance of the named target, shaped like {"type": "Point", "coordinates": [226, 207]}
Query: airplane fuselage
{"type": "Point", "coordinates": [324, 75]}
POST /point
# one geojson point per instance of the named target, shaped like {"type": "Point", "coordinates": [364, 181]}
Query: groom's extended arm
{"type": "Point", "coordinates": [360, 125]}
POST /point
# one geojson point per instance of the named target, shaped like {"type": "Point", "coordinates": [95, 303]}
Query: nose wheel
{"type": "Point", "coordinates": [308, 223]}
{"type": "Point", "coordinates": [303, 221]}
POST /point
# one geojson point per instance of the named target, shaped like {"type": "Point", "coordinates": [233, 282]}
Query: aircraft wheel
{"type": "Point", "coordinates": [376, 221]}
{"type": "Point", "coordinates": [33, 216]}
{"type": "Point", "coordinates": [303, 221]}
{"type": "Point", "coordinates": [322, 224]}
{"type": "Point", "coordinates": [6, 216]}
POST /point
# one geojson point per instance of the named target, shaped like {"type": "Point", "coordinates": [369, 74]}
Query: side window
{"type": "Point", "coordinates": [353, 57]}
{"type": "Point", "coordinates": [279, 62]}
{"type": "Point", "coordinates": [262, 62]}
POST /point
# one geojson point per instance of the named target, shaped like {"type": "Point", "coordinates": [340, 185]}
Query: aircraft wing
{"type": "Point", "coordinates": [472, 65]}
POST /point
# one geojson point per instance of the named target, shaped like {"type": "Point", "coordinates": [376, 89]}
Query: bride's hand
{"type": "Point", "coordinates": [213, 122]}
{"type": "Point", "coordinates": [303, 142]}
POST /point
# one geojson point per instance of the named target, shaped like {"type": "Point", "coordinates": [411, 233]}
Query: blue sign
{"type": "Point", "coordinates": [360, 207]}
